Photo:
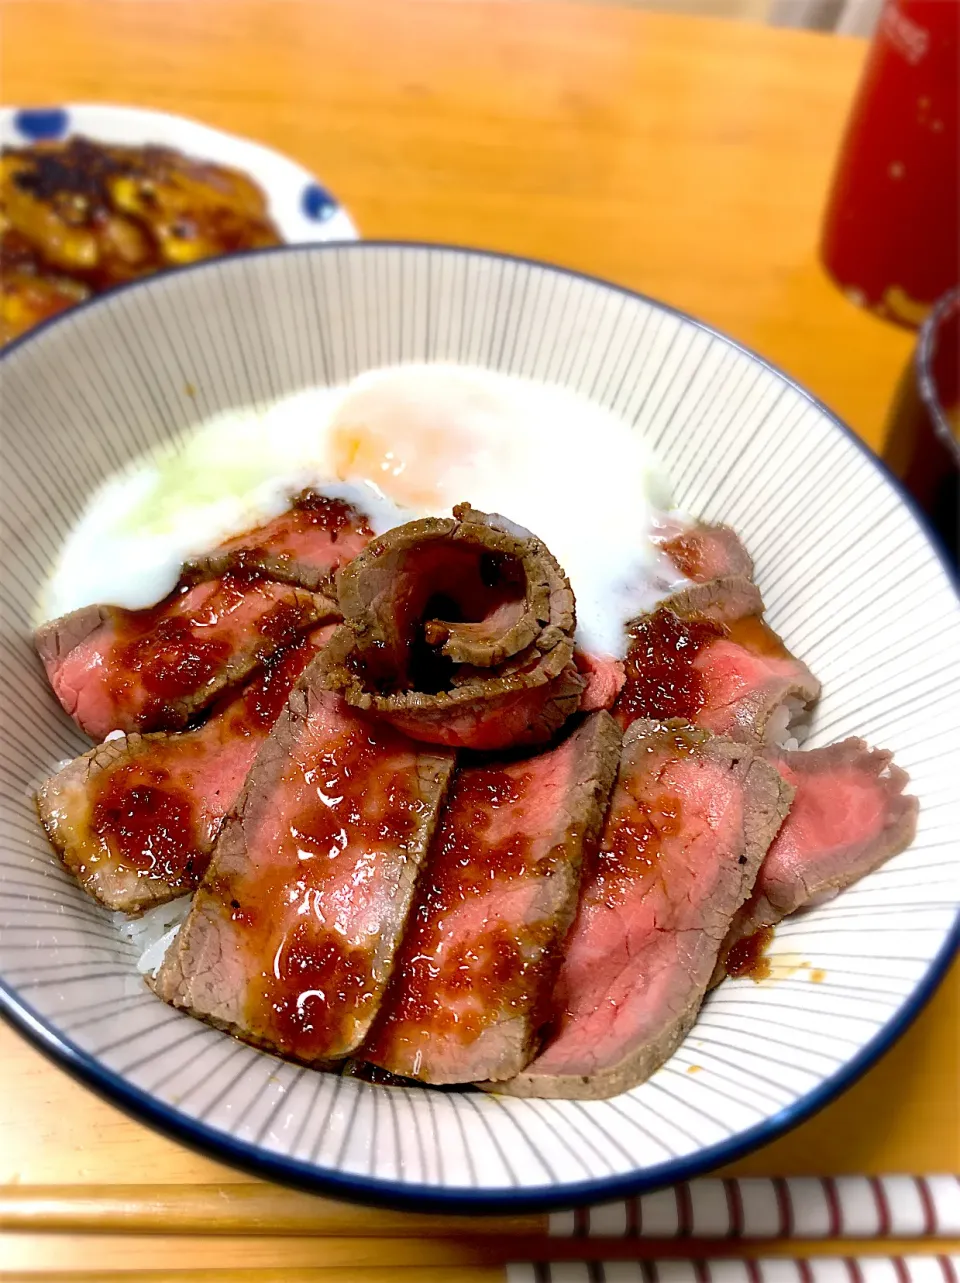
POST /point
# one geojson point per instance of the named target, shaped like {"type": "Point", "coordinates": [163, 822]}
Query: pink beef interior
{"type": "Point", "coordinates": [727, 676]}
{"type": "Point", "coordinates": [135, 820]}
{"type": "Point", "coordinates": [496, 617]}
{"type": "Point", "coordinates": [291, 938]}
{"type": "Point", "coordinates": [849, 814]}
{"type": "Point", "coordinates": [605, 677]}
{"type": "Point", "coordinates": [742, 686]}
{"type": "Point", "coordinates": [497, 897]}
{"type": "Point", "coordinates": [316, 532]}
{"type": "Point", "coordinates": [430, 593]}
{"type": "Point", "coordinates": [690, 819]}
{"type": "Point", "coordinates": [152, 669]}
{"type": "Point", "coordinates": [702, 552]}
{"type": "Point", "coordinates": [652, 915]}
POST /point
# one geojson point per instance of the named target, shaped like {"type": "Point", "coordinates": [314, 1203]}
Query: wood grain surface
{"type": "Point", "coordinates": [683, 157]}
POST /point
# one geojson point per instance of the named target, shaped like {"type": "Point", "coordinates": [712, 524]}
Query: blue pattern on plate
{"type": "Point", "coordinates": [42, 122]}
{"type": "Point", "coordinates": [317, 203]}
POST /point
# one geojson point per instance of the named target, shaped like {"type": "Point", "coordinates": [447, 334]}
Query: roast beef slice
{"type": "Point", "coordinates": [475, 974]}
{"type": "Point", "coordinates": [849, 815]}
{"type": "Point", "coordinates": [155, 669]}
{"type": "Point", "coordinates": [292, 935]}
{"type": "Point", "coordinates": [525, 705]}
{"type": "Point", "coordinates": [728, 675]}
{"type": "Point", "coordinates": [702, 552]}
{"type": "Point", "coordinates": [690, 820]}
{"type": "Point", "coordinates": [306, 545]}
{"type": "Point", "coordinates": [135, 819]}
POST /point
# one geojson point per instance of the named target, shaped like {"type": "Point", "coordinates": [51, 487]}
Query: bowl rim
{"type": "Point", "coordinates": [141, 1105]}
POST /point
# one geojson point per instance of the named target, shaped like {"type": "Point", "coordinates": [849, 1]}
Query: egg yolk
{"type": "Point", "coordinates": [407, 462]}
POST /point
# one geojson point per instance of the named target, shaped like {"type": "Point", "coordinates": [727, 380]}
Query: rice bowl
{"type": "Point", "coordinates": [741, 445]}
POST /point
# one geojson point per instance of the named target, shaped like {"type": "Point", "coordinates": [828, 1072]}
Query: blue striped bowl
{"type": "Point", "coordinates": [851, 582]}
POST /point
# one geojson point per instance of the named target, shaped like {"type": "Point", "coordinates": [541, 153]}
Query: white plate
{"type": "Point", "coordinates": [851, 582]}
{"type": "Point", "coordinates": [302, 209]}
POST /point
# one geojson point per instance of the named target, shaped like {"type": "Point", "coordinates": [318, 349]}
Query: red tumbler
{"type": "Point", "coordinates": [891, 239]}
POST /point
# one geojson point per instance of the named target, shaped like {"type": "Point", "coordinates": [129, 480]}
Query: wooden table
{"type": "Point", "coordinates": [688, 158]}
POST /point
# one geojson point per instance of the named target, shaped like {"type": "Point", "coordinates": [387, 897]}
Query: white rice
{"type": "Point", "coordinates": [154, 931]}
{"type": "Point", "coordinates": [789, 725]}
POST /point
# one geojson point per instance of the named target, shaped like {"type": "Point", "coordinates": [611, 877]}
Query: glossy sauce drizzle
{"type": "Point", "coordinates": [663, 679]}
{"type": "Point", "coordinates": [309, 917]}
{"type": "Point", "coordinates": [294, 534]}
{"type": "Point", "coordinates": [630, 850]}
{"type": "Point", "coordinates": [464, 963]}
{"type": "Point", "coordinates": [332, 515]}
{"type": "Point", "coordinates": [147, 819]}
{"type": "Point", "coordinates": [177, 649]}
{"type": "Point", "coordinates": [158, 812]}
{"type": "Point", "coordinates": [748, 956]}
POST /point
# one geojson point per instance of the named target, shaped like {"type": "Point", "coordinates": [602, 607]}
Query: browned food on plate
{"type": "Point", "coordinates": [306, 545]}
{"type": "Point", "coordinates": [849, 815]}
{"type": "Point", "coordinates": [29, 291]}
{"type": "Point", "coordinates": [103, 213]}
{"type": "Point", "coordinates": [474, 976]}
{"type": "Point", "coordinates": [458, 631]}
{"type": "Point", "coordinates": [707, 656]}
{"type": "Point", "coordinates": [154, 669]}
{"type": "Point", "coordinates": [691, 817]}
{"type": "Point", "coordinates": [703, 552]}
{"type": "Point", "coordinates": [480, 588]}
{"type": "Point", "coordinates": [291, 938]}
{"type": "Point", "coordinates": [135, 819]}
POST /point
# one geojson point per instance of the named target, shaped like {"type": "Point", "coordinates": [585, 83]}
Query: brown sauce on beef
{"type": "Point", "coordinates": [263, 699]}
{"type": "Point", "coordinates": [662, 677]}
{"type": "Point", "coordinates": [312, 977]}
{"type": "Point", "coordinates": [333, 515]}
{"type": "Point", "coordinates": [281, 623]}
{"type": "Point", "coordinates": [755, 635]}
{"type": "Point", "coordinates": [166, 657]}
{"type": "Point", "coordinates": [631, 846]}
{"type": "Point", "coordinates": [686, 553]}
{"type": "Point", "coordinates": [149, 818]}
{"type": "Point", "coordinates": [747, 957]}
{"type": "Point", "coordinates": [499, 964]}
{"type": "Point", "coordinates": [148, 822]}
{"type": "Point", "coordinates": [310, 511]}
{"type": "Point", "coordinates": [173, 653]}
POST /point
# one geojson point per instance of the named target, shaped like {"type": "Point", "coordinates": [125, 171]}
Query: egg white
{"type": "Point", "coordinates": [399, 442]}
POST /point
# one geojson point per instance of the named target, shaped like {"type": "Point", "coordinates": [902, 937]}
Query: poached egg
{"type": "Point", "coordinates": [399, 442]}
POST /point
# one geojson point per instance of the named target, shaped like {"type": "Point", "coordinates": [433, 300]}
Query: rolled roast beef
{"type": "Point", "coordinates": [458, 631]}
